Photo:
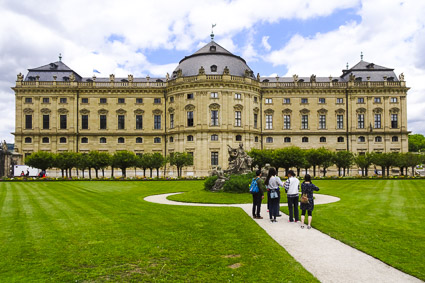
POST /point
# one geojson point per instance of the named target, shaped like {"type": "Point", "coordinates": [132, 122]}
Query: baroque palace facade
{"type": "Point", "coordinates": [211, 100]}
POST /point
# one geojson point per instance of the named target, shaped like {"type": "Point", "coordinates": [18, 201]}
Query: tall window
{"type": "Point", "coordinates": [340, 100]}
{"type": "Point", "coordinates": [45, 140]}
{"type": "Point", "coordinates": [102, 119]}
{"type": "Point", "coordinates": [304, 122]}
{"type": "Point", "coordinates": [46, 122]}
{"type": "Point", "coordinates": [269, 101]}
{"type": "Point", "coordinates": [139, 122]}
{"type": "Point", "coordinates": [157, 140]}
{"type": "Point", "coordinates": [360, 121]}
{"type": "Point", "coordinates": [62, 121]}
{"type": "Point", "coordinates": [189, 138]}
{"type": "Point", "coordinates": [214, 118]}
{"type": "Point", "coordinates": [340, 121]}
{"type": "Point", "coordinates": [171, 99]}
{"type": "Point", "coordinates": [157, 122]}
{"type": "Point", "coordinates": [238, 96]}
{"type": "Point", "coordinates": [394, 121]}
{"type": "Point", "coordinates": [62, 140]}
{"type": "Point", "coordinates": [84, 122]}
{"type": "Point", "coordinates": [238, 118]}
{"type": "Point", "coordinates": [287, 121]}
{"type": "Point", "coordinates": [171, 121]}
{"type": "Point", "coordinates": [190, 118]}
{"type": "Point", "coordinates": [322, 121]}
{"type": "Point", "coordinates": [255, 121]}
{"type": "Point", "coordinates": [214, 158]}
{"type": "Point", "coordinates": [139, 140]}
{"type": "Point", "coordinates": [121, 122]}
{"type": "Point", "coordinates": [238, 138]}
{"type": "Point", "coordinates": [28, 140]}
{"type": "Point", "coordinates": [269, 122]}
{"type": "Point", "coordinates": [214, 94]}
{"type": "Point", "coordinates": [377, 121]}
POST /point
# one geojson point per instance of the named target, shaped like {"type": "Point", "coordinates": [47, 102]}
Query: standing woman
{"type": "Point", "coordinates": [273, 183]}
{"type": "Point", "coordinates": [307, 187]}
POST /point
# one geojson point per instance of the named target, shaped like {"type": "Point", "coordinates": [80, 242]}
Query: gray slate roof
{"type": "Point", "coordinates": [365, 69]}
{"type": "Point", "coordinates": [46, 72]}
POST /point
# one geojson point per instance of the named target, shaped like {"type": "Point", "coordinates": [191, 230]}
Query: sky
{"type": "Point", "coordinates": [275, 37]}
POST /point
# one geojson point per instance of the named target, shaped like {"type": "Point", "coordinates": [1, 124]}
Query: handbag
{"type": "Point", "coordinates": [273, 194]}
{"type": "Point", "coordinates": [304, 198]}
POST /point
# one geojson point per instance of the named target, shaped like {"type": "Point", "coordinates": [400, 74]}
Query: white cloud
{"type": "Point", "coordinates": [265, 43]}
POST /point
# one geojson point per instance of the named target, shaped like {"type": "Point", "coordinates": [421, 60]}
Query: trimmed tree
{"type": "Point", "coordinates": [343, 159]}
{"type": "Point", "coordinates": [364, 161]}
{"type": "Point", "coordinates": [158, 160]}
{"type": "Point", "coordinates": [99, 161]}
{"type": "Point", "coordinates": [180, 160]}
{"type": "Point", "coordinates": [123, 160]}
{"type": "Point", "coordinates": [40, 159]}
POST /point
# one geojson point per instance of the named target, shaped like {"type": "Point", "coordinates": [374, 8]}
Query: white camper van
{"type": "Point", "coordinates": [17, 170]}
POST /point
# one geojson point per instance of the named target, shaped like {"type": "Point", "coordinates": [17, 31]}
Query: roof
{"type": "Point", "coordinates": [46, 72]}
{"type": "Point", "coordinates": [364, 70]}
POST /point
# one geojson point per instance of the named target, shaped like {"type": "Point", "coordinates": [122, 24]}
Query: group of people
{"type": "Point", "coordinates": [273, 185]}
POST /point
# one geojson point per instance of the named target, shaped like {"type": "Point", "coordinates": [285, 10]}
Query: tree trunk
{"type": "Point", "coordinates": [362, 172]}
{"type": "Point", "coordinates": [298, 172]}
{"type": "Point", "coordinates": [157, 172]}
{"type": "Point", "coordinates": [383, 171]}
{"type": "Point", "coordinates": [123, 172]}
{"type": "Point", "coordinates": [70, 172]}
{"type": "Point", "coordinates": [97, 174]}
{"type": "Point", "coordinates": [366, 171]}
{"type": "Point", "coordinates": [178, 172]}
{"type": "Point", "coordinates": [89, 173]}
{"type": "Point", "coordinates": [66, 172]}
{"type": "Point", "coordinates": [144, 172]}
{"type": "Point", "coordinates": [151, 171]}
{"type": "Point", "coordinates": [112, 172]}
{"type": "Point", "coordinates": [413, 171]}
{"type": "Point", "coordinates": [343, 172]}
{"type": "Point", "coordinates": [82, 171]}
{"type": "Point", "coordinates": [63, 174]}
{"type": "Point", "coordinates": [339, 171]}
{"type": "Point", "coordinates": [103, 172]}
{"type": "Point", "coordinates": [324, 172]}
{"type": "Point", "coordinates": [135, 172]}
{"type": "Point", "coordinates": [388, 171]}
{"type": "Point", "coordinates": [306, 171]}
{"type": "Point", "coordinates": [314, 170]}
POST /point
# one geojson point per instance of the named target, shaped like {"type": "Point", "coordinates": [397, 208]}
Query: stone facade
{"type": "Point", "coordinates": [362, 110]}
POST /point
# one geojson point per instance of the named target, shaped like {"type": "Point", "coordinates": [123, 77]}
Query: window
{"type": "Point", "coordinates": [45, 140]}
{"type": "Point", "coordinates": [190, 96]}
{"type": "Point", "coordinates": [157, 122]}
{"type": "Point", "coordinates": [340, 139]}
{"type": "Point", "coordinates": [63, 121]}
{"type": "Point", "coordinates": [28, 122]}
{"type": "Point", "coordinates": [103, 100]}
{"type": "Point", "coordinates": [393, 100]}
{"type": "Point", "coordinates": [171, 99]}
{"type": "Point", "coordinates": [171, 121]}
{"type": "Point", "coordinates": [157, 100]}
{"type": "Point", "coordinates": [121, 100]}
{"type": "Point", "coordinates": [287, 139]}
{"type": "Point", "coordinates": [102, 119]}
{"type": "Point", "coordinates": [360, 121]}
{"type": "Point", "coordinates": [255, 121]}
{"type": "Point", "coordinates": [121, 140]}
{"type": "Point", "coordinates": [377, 100]}
{"type": "Point", "coordinates": [304, 139]}
{"type": "Point", "coordinates": [121, 122]}
{"type": "Point", "coordinates": [84, 100]}
{"type": "Point", "coordinates": [304, 122]}
{"type": "Point", "coordinates": [394, 121]}
{"type": "Point", "coordinates": [394, 139]}
{"type": "Point", "coordinates": [322, 139]}
{"type": "Point", "coordinates": [360, 100]}
{"type": "Point", "coordinates": [190, 118]}
{"type": "Point", "coordinates": [46, 100]}
{"type": "Point", "coordinates": [304, 100]}
{"type": "Point", "coordinates": [255, 99]}
{"type": "Point", "coordinates": [102, 140]}
{"type": "Point", "coordinates": [256, 139]}
{"type": "Point", "coordinates": [189, 138]}
{"type": "Point", "coordinates": [62, 100]}
{"type": "Point", "coordinates": [28, 140]}
{"type": "Point", "coordinates": [214, 118]}
{"type": "Point", "coordinates": [269, 122]}
{"type": "Point", "coordinates": [139, 100]}
{"type": "Point", "coordinates": [362, 139]}
{"type": "Point", "coordinates": [378, 139]}
{"type": "Point", "coordinates": [84, 122]}
{"type": "Point", "coordinates": [139, 140]}
{"type": "Point", "coordinates": [340, 121]}
{"type": "Point", "coordinates": [214, 137]}
{"type": "Point", "coordinates": [214, 158]}
{"type": "Point", "coordinates": [62, 140]}
{"type": "Point", "coordinates": [157, 140]}
{"type": "Point", "coordinates": [214, 94]}
{"type": "Point", "coordinates": [269, 101]}
{"type": "Point", "coordinates": [269, 140]}
{"type": "Point", "coordinates": [377, 121]}
{"type": "Point", "coordinates": [286, 100]}
{"type": "Point", "coordinates": [46, 122]}
{"type": "Point", "coordinates": [322, 121]}
{"type": "Point", "coordinates": [84, 140]}
{"type": "Point", "coordinates": [171, 139]}
{"type": "Point", "coordinates": [322, 100]}
{"type": "Point", "coordinates": [238, 118]}
{"type": "Point", "coordinates": [238, 96]}
{"type": "Point", "coordinates": [213, 68]}
{"type": "Point", "coordinates": [238, 138]}
{"type": "Point", "coordinates": [139, 122]}
{"type": "Point", "coordinates": [28, 100]}
{"type": "Point", "coordinates": [287, 122]}
{"type": "Point", "coordinates": [340, 100]}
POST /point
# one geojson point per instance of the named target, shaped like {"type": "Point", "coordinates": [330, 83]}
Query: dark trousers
{"type": "Point", "coordinates": [293, 208]}
{"type": "Point", "coordinates": [274, 208]}
{"type": "Point", "coordinates": [268, 200]}
{"type": "Point", "coordinates": [256, 204]}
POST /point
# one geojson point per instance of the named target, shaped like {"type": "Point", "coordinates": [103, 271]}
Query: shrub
{"type": "Point", "coordinates": [238, 183]}
{"type": "Point", "coordinates": [209, 183]}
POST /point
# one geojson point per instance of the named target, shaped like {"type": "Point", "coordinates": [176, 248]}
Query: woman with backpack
{"type": "Point", "coordinates": [307, 187]}
{"type": "Point", "coordinates": [257, 190]}
{"type": "Point", "coordinates": [273, 183]}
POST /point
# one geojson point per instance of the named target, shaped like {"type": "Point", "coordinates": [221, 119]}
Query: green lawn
{"type": "Point", "coordinates": [105, 231]}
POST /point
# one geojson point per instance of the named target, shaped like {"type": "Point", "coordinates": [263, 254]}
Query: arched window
{"type": "Point", "coordinates": [304, 139]}
{"type": "Point", "coordinates": [62, 140]}
{"type": "Point", "coordinates": [362, 139]}
{"type": "Point", "coordinates": [394, 139]}
{"type": "Point", "coordinates": [269, 140]}
{"type": "Point", "coordinates": [139, 140]}
{"type": "Point", "coordinates": [28, 140]}
{"type": "Point", "coordinates": [102, 140]}
{"type": "Point", "coordinates": [322, 139]}
{"type": "Point", "coordinates": [378, 139]}
{"type": "Point", "coordinates": [84, 140]}
{"type": "Point", "coordinates": [286, 139]}
{"type": "Point", "coordinates": [157, 140]}
{"type": "Point", "coordinates": [238, 138]}
{"type": "Point", "coordinates": [256, 139]}
{"type": "Point", "coordinates": [213, 68]}
{"type": "Point", "coordinates": [214, 137]}
{"type": "Point", "coordinates": [171, 139]}
{"type": "Point", "coordinates": [121, 140]}
{"type": "Point", "coordinates": [45, 140]}
{"type": "Point", "coordinates": [340, 139]}
{"type": "Point", "coordinates": [189, 138]}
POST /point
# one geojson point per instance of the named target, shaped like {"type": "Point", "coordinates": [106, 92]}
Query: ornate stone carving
{"type": "Point", "coordinates": [214, 106]}
{"type": "Point", "coordinates": [401, 77]}
{"type": "Point", "coordinates": [20, 77]}
{"type": "Point", "coordinates": [258, 76]}
{"type": "Point", "coordinates": [139, 111]}
{"type": "Point", "coordinates": [238, 107]}
{"type": "Point", "coordinates": [394, 110]}
{"type": "Point", "coordinates": [218, 185]}
{"type": "Point", "coordinates": [157, 112]}
{"type": "Point", "coordinates": [304, 111]}
{"type": "Point", "coordinates": [45, 111]}
{"type": "Point", "coordinates": [322, 111]}
{"type": "Point", "coordinates": [130, 78]}
{"type": "Point", "coordinates": [121, 111]}
{"type": "Point", "coordinates": [340, 111]}
{"type": "Point", "coordinates": [189, 107]}
{"type": "Point", "coordinates": [201, 71]}
{"type": "Point", "coordinates": [63, 111]}
{"type": "Point", "coordinates": [351, 78]}
{"type": "Point", "coordinates": [103, 111]}
{"type": "Point", "coordinates": [287, 111]}
{"type": "Point", "coordinates": [28, 111]}
{"type": "Point", "coordinates": [313, 78]}
{"type": "Point", "coordinates": [377, 110]}
{"type": "Point", "coordinates": [84, 111]}
{"type": "Point", "coordinates": [239, 161]}
{"type": "Point", "coordinates": [171, 110]}
{"type": "Point", "coordinates": [226, 71]}
{"type": "Point", "coordinates": [295, 77]}
{"type": "Point", "coordinates": [269, 111]}
{"type": "Point", "coordinates": [72, 77]}
{"type": "Point", "coordinates": [256, 110]}
{"type": "Point", "coordinates": [361, 110]}
{"type": "Point", "coordinates": [111, 77]}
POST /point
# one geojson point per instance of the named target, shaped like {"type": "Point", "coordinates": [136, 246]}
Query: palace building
{"type": "Point", "coordinates": [211, 100]}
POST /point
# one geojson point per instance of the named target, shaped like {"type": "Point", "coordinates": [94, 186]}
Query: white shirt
{"type": "Point", "coordinates": [275, 182]}
{"type": "Point", "coordinates": [294, 184]}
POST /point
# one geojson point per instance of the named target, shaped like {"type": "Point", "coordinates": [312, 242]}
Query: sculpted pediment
{"type": "Point", "coordinates": [214, 106]}
{"type": "Point", "coordinates": [45, 111]}
{"type": "Point", "coordinates": [189, 107]}
{"type": "Point", "coordinates": [361, 110]}
{"type": "Point", "coordinates": [340, 111]}
{"type": "Point", "coordinates": [287, 111]}
{"type": "Point", "coordinates": [103, 111]}
{"type": "Point", "coordinates": [157, 112]}
{"type": "Point", "coordinates": [28, 111]}
{"type": "Point", "coordinates": [269, 111]}
{"type": "Point", "coordinates": [139, 111]}
{"type": "Point", "coordinates": [63, 111]}
{"type": "Point", "coordinates": [377, 110]}
{"type": "Point", "coordinates": [238, 107]}
{"type": "Point", "coordinates": [121, 111]}
{"type": "Point", "coordinates": [304, 111]}
{"type": "Point", "coordinates": [84, 111]}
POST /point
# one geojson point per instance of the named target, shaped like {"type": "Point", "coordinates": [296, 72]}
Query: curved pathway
{"type": "Point", "coordinates": [326, 258]}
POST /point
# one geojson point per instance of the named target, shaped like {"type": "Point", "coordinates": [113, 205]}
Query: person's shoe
{"type": "Point", "coordinates": [308, 227]}
{"type": "Point", "coordinates": [254, 217]}
{"type": "Point", "coordinates": [279, 215]}
{"type": "Point", "coordinates": [259, 217]}
{"type": "Point", "coordinates": [302, 226]}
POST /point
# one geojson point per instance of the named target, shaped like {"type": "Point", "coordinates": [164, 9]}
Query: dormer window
{"type": "Point", "coordinates": [53, 66]}
{"type": "Point", "coordinates": [159, 81]}
{"type": "Point", "coordinates": [65, 79]}
{"type": "Point", "coordinates": [124, 80]}
{"type": "Point", "coordinates": [335, 80]}
{"type": "Point", "coordinates": [390, 79]}
{"type": "Point", "coordinates": [213, 48]}
{"type": "Point", "coordinates": [370, 66]}
{"type": "Point", "coordinates": [213, 68]}
{"type": "Point", "coordinates": [265, 81]}
{"type": "Point", "coordinates": [301, 80]}
{"type": "Point", "coordinates": [358, 79]}
{"type": "Point", "coordinates": [31, 78]}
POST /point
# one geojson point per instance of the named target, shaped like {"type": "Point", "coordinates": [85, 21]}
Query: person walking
{"type": "Point", "coordinates": [273, 183]}
{"type": "Point", "coordinates": [307, 187]}
{"type": "Point", "coordinates": [292, 195]}
{"type": "Point", "coordinates": [258, 197]}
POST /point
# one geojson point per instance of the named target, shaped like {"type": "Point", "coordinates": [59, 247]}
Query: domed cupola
{"type": "Point", "coordinates": [213, 59]}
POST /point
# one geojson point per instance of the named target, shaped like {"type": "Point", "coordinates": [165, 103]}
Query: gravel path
{"type": "Point", "coordinates": [326, 258]}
